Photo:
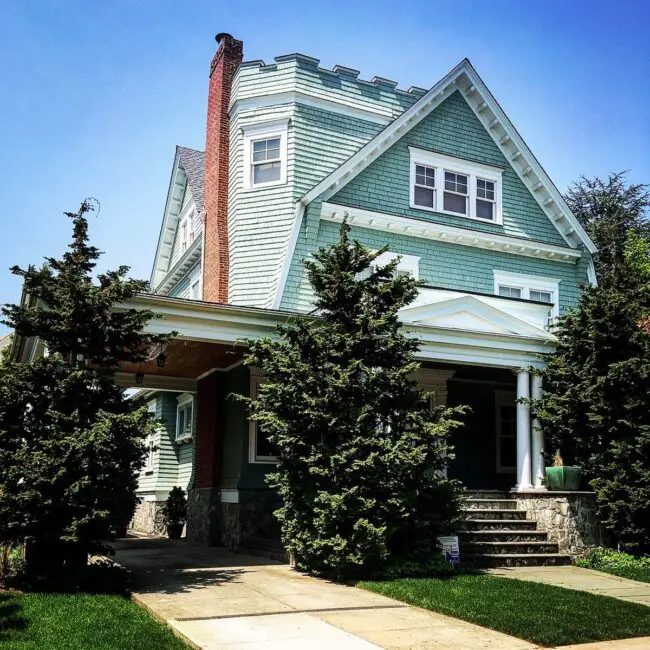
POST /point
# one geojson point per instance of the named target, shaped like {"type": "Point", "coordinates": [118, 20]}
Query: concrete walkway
{"type": "Point", "coordinates": [572, 577]}
{"type": "Point", "coordinates": [220, 600]}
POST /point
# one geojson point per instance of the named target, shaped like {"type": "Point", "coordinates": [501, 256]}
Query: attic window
{"type": "Point", "coordinates": [528, 287]}
{"type": "Point", "coordinates": [464, 188]}
{"type": "Point", "coordinates": [265, 155]}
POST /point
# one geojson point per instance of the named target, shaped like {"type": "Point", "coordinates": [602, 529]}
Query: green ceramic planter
{"type": "Point", "coordinates": [565, 478]}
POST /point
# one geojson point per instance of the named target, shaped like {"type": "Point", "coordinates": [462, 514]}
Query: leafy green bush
{"type": "Point", "coordinates": [618, 563]}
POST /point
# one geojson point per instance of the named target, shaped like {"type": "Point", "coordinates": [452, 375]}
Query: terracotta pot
{"type": "Point", "coordinates": [565, 478]}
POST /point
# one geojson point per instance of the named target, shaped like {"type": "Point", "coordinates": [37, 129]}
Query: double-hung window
{"type": "Point", "coordinates": [462, 188]}
{"type": "Point", "coordinates": [265, 154]}
{"type": "Point", "coordinates": [185, 417]}
{"type": "Point", "coordinates": [149, 441]}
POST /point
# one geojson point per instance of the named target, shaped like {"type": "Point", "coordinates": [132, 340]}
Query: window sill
{"type": "Point", "coordinates": [446, 213]}
{"type": "Point", "coordinates": [265, 460]}
{"type": "Point", "coordinates": [180, 441]}
{"type": "Point", "coordinates": [263, 186]}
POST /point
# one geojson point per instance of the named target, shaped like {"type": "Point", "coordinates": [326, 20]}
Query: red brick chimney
{"type": "Point", "coordinates": [215, 266]}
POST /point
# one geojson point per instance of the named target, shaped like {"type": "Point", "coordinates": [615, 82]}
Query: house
{"type": "Point", "coordinates": [442, 176]}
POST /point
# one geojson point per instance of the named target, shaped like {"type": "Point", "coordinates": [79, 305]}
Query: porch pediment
{"type": "Point", "coordinates": [468, 313]}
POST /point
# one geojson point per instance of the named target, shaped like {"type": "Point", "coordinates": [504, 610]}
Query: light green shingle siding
{"type": "Point", "coordinates": [452, 129]}
{"type": "Point", "coordinates": [441, 265]}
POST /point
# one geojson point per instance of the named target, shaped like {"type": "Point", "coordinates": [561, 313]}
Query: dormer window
{"type": "Point", "coordinates": [508, 284]}
{"type": "Point", "coordinates": [453, 186]}
{"type": "Point", "coordinates": [265, 154]}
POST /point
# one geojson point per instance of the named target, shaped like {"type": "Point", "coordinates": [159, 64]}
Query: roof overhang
{"type": "Point", "coordinates": [230, 324]}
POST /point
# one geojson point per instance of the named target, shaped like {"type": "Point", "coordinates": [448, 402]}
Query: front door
{"type": "Point", "coordinates": [505, 410]}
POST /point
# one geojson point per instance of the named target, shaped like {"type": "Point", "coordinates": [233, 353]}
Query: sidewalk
{"type": "Point", "coordinates": [572, 577]}
{"type": "Point", "coordinates": [220, 600]}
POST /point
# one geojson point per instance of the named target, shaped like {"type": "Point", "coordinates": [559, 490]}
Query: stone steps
{"type": "Point", "coordinates": [505, 535]}
{"type": "Point", "coordinates": [489, 504]}
{"type": "Point", "coordinates": [496, 513]}
{"type": "Point", "coordinates": [486, 560]}
{"type": "Point", "coordinates": [494, 533]}
{"type": "Point", "coordinates": [511, 548]}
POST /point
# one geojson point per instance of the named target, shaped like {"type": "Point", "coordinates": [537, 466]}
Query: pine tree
{"type": "Point", "coordinates": [361, 454]}
{"type": "Point", "coordinates": [596, 399]}
{"type": "Point", "coordinates": [71, 444]}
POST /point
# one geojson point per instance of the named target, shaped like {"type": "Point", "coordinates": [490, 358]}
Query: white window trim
{"type": "Point", "coordinates": [266, 131]}
{"type": "Point", "coordinates": [257, 378]}
{"type": "Point", "coordinates": [198, 282]}
{"type": "Point", "coordinates": [527, 283]}
{"type": "Point", "coordinates": [502, 398]}
{"type": "Point", "coordinates": [473, 171]}
{"type": "Point", "coordinates": [410, 263]}
{"type": "Point", "coordinates": [182, 401]}
{"type": "Point", "coordinates": [149, 441]}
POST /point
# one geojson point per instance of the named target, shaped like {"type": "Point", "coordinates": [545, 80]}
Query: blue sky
{"type": "Point", "coordinates": [96, 94]}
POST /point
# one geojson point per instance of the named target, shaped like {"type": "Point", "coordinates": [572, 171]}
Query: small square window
{"type": "Point", "coordinates": [510, 292]}
{"type": "Point", "coordinates": [185, 419]}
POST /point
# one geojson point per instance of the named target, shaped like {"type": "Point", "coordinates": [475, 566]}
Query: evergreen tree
{"type": "Point", "coordinates": [361, 453]}
{"type": "Point", "coordinates": [596, 398]}
{"type": "Point", "coordinates": [71, 445]}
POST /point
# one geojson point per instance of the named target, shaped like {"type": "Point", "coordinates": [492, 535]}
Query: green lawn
{"type": "Point", "coordinates": [617, 563]}
{"type": "Point", "coordinates": [540, 613]}
{"type": "Point", "coordinates": [641, 574]}
{"type": "Point", "coordinates": [79, 622]}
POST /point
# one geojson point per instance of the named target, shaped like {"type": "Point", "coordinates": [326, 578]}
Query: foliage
{"type": "Point", "coordinates": [70, 443]}
{"type": "Point", "coordinates": [596, 403]}
{"type": "Point", "coordinates": [610, 210]}
{"type": "Point", "coordinates": [558, 461]}
{"type": "Point", "coordinates": [543, 614]}
{"type": "Point", "coordinates": [618, 563]}
{"type": "Point", "coordinates": [361, 455]}
{"type": "Point", "coordinates": [59, 621]}
{"type": "Point", "coordinates": [175, 508]}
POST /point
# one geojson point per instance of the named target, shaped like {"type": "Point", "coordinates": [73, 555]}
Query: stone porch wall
{"type": "Point", "coordinates": [148, 518]}
{"type": "Point", "coordinates": [569, 518]}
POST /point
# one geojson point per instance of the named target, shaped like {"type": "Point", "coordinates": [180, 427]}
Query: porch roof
{"type": "Point", "coordinates": [210, 337]}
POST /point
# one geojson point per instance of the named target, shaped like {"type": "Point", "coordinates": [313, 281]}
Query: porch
{"type": "Point", "coordinates": [472, 353]}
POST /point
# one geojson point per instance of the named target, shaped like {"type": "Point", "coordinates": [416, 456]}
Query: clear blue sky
{"type": "Point", "coordinates": [96, 94]}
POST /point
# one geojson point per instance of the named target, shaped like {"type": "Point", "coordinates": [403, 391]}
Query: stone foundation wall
{"type": "Point", "coordinates": [203, 516]}
{"type": "Point", "coordinates": [569, 518]}
{"type": "Point", "coordinates": [148, 518]}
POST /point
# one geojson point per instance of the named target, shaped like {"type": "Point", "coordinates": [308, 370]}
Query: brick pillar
{"type": "Point", "coordinates": [217, 138]}
{"type": "Point", "coordinates": [203, 511]}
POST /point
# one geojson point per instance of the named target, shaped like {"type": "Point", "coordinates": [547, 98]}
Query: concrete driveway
{"type": "Point", "coordinates": [217, 599]}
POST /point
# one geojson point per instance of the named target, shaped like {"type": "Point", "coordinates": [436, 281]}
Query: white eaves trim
{"type": "Point", "coordinates": [447, 234]}
{"type": "Point", "coordinates": [298, 97]}
{"type": "Point", "coordinates": [465, 79]}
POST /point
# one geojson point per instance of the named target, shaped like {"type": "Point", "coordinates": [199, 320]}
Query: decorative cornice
{"type": "Point", "coordinates": [448, 234]}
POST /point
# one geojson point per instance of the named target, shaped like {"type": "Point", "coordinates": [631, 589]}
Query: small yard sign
{"type": "Point", "coordinates": [450, 550]}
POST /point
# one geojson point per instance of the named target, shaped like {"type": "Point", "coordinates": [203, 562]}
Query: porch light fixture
{"type": "Point", "coordinates": [161, 359]}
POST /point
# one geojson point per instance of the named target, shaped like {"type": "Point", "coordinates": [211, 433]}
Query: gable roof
{"type": "Point", "coordinates": [193, 164]}
{"type": "Point", "coordinates": [465, 79]}
{"type": "Point", "coordinates": [188, 169]}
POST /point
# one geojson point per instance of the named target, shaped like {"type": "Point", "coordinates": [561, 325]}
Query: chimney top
{"type": "Point", "coordinates": [221, 35]}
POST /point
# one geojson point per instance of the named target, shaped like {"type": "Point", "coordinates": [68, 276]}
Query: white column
{"type": "Point", "coordinates": [523, 431]}
{"type": "Point", "coordinates": [538, 439]}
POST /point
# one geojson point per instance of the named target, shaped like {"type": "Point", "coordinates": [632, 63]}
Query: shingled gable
{"type": "Point", "coordinates": [188, 166]}
{"type": "Point", "coordinates": [465, 79]}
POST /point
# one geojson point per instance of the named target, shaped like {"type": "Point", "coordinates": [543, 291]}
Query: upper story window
{"type": "Point", "coordinates": [185, 417]}
{"type": "Point", "coordinates": [407, 265]}
{"type": "Point", "coordinates": [187, 231]}
{"type": "Point", "coordinates": [528, 287]}
{"type": "Point", "coordinates": [265, 154]}
{"type": "Point", "coordinates": [453, 186]}
{"type": "Point", "coordinates": [195, 289]}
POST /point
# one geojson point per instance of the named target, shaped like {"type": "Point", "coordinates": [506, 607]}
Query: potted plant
{"type": "Point", "coordinates": [175, 512]}
{"type": "Point", "coordinates": [562, 477]}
